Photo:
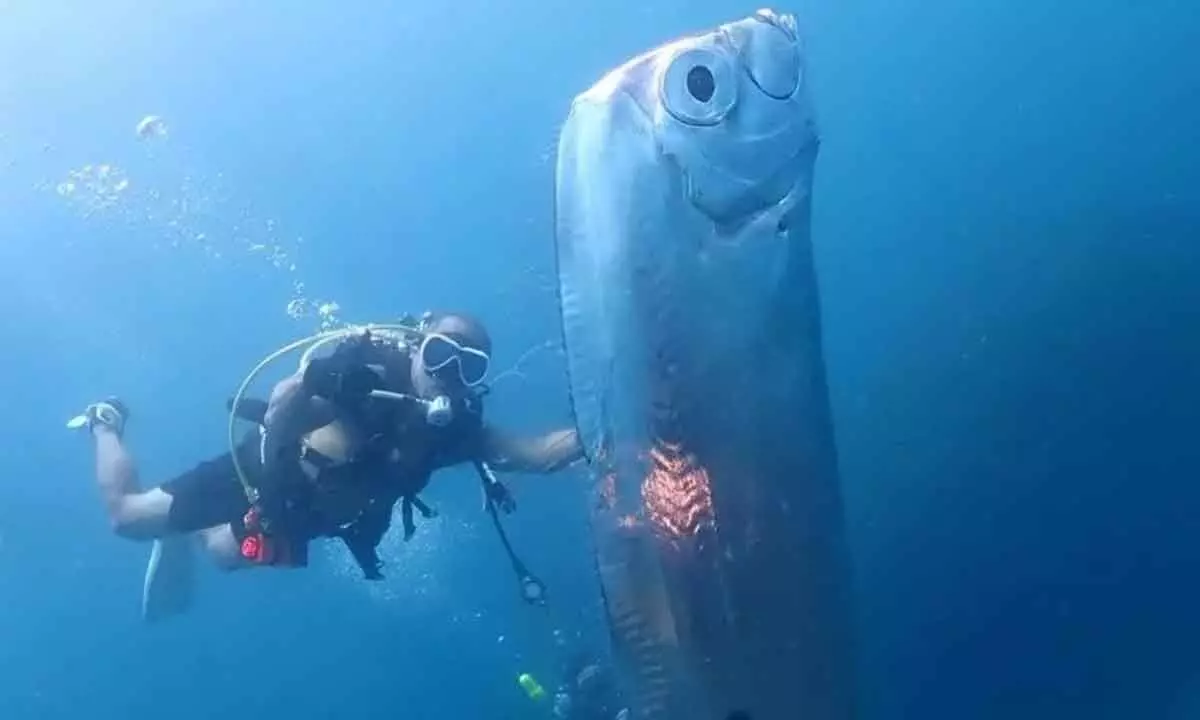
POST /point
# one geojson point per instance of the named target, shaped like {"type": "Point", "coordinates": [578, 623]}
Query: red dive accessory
{"type": "Point", "coordinates": [260, 548]}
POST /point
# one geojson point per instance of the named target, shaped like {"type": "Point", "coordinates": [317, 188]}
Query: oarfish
{"type": "Point", "coordinates": [692, 329]}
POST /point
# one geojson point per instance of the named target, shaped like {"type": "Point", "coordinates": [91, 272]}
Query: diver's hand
{"type": "Point", "coordinates": [340, 382]}
{"type": "Point", "coordinates": [495, 493]}
{"type": "Point", "coordinates": [321, 377]}
{"type": "Point", "coordinates": [357, 383]}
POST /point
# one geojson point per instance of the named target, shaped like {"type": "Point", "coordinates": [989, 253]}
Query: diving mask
{"type": "Point", "coordinates": [439, 352]}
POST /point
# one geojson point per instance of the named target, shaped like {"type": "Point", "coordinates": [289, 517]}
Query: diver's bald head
{"type": "Point", "coordinates": [467, 330]}
{"type": "Point", "coordinates": [463, 329]}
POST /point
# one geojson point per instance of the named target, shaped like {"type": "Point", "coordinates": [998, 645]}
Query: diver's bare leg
{"type": "Point", "coordinates": [224, 549]}
{"type": "Point", "coordinates": [170, 573]}
{"type": "Point", "coordinates": [169, 583]}
{"type": "Point", "coordinates": [133, 513]}
{"type": "Point", "coordinates": [144, 514]}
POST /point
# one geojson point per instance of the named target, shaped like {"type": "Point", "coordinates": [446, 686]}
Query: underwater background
{"type": "Point", "coordinates": [1007, 232]}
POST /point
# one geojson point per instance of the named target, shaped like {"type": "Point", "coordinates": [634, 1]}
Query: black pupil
{"type": "Point", "coordinates": [701, 84]}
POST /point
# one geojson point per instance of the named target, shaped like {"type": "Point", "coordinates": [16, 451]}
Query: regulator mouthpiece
{"type": "Point", "coordinates": [439, 411]}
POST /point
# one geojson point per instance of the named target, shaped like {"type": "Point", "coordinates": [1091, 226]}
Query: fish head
{"type": "Point", "coordinates": [684, 184]}
{"type": "Point", "coordinates": [703, 150]}
{"type": "Point", "coordinates": [730, 116]}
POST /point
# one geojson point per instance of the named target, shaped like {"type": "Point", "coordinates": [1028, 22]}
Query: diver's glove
{"type": "Point", "coordinates": [109, 413]}
{"type": "Point", "coordinates": [340, 380]}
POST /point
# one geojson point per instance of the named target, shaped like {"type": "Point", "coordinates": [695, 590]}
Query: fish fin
{"type": "Point", "coordinates": [595, 147]}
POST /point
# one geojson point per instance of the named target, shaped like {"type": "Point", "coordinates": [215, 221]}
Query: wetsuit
{"type": "Point", "coordinates": [210, 494]}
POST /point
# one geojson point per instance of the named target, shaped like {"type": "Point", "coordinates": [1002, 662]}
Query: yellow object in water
{"type": "Point", "coordinates": [531, 686]}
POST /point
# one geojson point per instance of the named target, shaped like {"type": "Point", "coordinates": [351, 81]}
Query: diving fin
{"type": "Point", "coordinates": [170, 578]}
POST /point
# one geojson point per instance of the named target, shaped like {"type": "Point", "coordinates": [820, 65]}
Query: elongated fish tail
{"type": "Point", "coordinates": [641, 626]}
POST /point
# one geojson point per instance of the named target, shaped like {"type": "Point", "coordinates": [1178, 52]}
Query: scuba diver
{"type": "Point", "coordinates": [339, 444]}
{"type": "Point", "coordinates": [588, 691]}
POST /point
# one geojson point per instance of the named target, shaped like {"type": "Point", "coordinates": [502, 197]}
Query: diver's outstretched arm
{"type": "Point", "coordinates": [543, 455]}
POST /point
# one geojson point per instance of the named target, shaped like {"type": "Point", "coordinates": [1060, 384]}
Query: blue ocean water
{"type": "Point", "coordinates": [1006, 227]}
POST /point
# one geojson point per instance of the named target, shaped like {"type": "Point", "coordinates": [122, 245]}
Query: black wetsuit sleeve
{"type": "Point", "coordinates": [210, 494]}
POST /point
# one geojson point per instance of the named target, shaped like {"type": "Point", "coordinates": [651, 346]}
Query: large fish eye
{"type": "Point", "coordinates": [699, 87]}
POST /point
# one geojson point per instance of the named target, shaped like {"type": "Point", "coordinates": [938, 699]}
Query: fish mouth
{"type": "Point", "coordinates": [784, 21]}
{"type": "Point", "coordinates": [758, 210]}
{"type": "Point", "coordinates": [761, 207]}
